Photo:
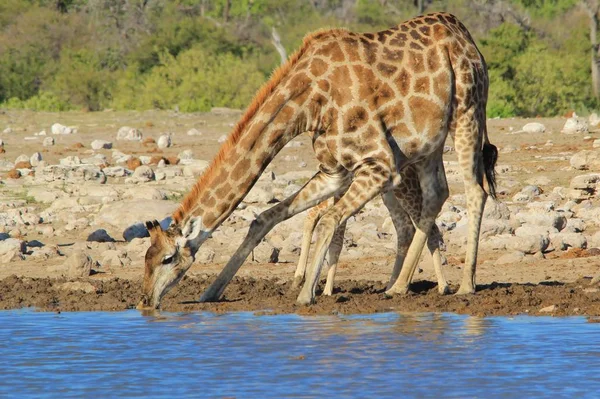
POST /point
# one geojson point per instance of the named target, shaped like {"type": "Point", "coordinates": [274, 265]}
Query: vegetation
{"type": "Point", "coordinates": [57, 55]}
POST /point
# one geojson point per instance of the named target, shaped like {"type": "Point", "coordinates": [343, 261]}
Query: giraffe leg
{"type": "Point", "coordinates": [433, 244]}
{"type": "Point", "coordinates": [405, 231]}
{"type": "Point", "coordinates": [468, 148]}
{"type": "Point", "coordinates": [368, 181]}
{"type": "Point", "coordinates": [319, 188]}
{"type": "Point", "coordinates": [307, 232]}
{"type": "Point", "coordinates": [434, 193]}
{"type": "Point", "coordinates": [335, 248]}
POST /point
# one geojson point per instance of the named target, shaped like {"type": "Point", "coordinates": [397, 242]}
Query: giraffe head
{"type": "Point", "coordinates": [169, 257]}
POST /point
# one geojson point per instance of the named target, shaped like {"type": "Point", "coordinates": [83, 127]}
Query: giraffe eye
{"type": "Point", "coordinates": [168, 259]}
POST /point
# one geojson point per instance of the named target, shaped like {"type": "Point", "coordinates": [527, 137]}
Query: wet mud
{"type": "Point", "coordinates": [274, 296]}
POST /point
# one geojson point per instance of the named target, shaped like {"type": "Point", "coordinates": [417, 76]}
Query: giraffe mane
{"type": "Point", "coordinates": [189, 201]}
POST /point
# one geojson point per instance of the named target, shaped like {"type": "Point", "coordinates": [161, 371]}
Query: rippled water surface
{"type": "Point", "coordinates": [204, 355]}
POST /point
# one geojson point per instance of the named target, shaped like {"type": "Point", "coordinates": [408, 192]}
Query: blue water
{"type": "Point", "coordinates": [204, 355]}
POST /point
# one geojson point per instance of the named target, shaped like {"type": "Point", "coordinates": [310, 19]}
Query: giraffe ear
{"type": "Point", "coordinates": [192, 228]}
{"type": "Point", "coordinates": [154, 229]}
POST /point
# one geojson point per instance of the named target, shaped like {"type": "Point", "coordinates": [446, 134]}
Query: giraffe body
{"type": "Point", "coordinates": [374, 103]}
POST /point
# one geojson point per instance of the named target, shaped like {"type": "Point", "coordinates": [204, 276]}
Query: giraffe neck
{"type": "Point", "coordinates": [242, 159]}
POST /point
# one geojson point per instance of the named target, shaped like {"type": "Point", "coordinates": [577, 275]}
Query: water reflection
{"type": "Point", "coordinates": [244, 355]}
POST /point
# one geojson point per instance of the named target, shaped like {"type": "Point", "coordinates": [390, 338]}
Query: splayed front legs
{"type": "Point", "coordinates": [319, 188]}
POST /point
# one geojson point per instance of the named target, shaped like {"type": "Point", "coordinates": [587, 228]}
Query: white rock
{"type": "Point", "coordinates": [57, 128]}
{"type": "Point", "coordinates": [548, 309]}
{"type": "Point", "coordinates": [261, 194]}
{"type": "Point", "coordinates": [116, 171]}
{"type": "Point", "coordinates": [534, 127]}
{"type": "Point", "coordinates": [143, 173]}
{"type": "Point", "coordinates": [101, 144]}
{"type": "Point", "coordinates": [8, 130]}
{"type": "Point", "coordinates": [222, 139]}
{"type": "Point", "coordinates": [594, 120]}
{"type": "Point", "coordinates": [194, 132]}
{"type": "Point", "coordinates": [70, 161]}
{"type": "Point", "coordinates": [48, 142]}
{"type": "Point", "coordinates": [550, 219]}
{"type": "Point", "coordinates": [122, 214]}
{"type": "Point", "coordinates": [164, 141]}
{"type": "Point", "coordinates": [195, 168]}
{"type": "Point", "coordinates": [185, 155]}
{"type": "Point", "coordinates": [35, 159]}
{"type": "Point", "coordinates": [129, 133]}
{"type": "Point", "coordinates": [562, 241]}
{"type": "Point", "coordinates": [42, 133]}
{"type": "Point", "coordinates": [575, 125]}
{"type": "Point", "coordinates": [585, 159]}
{"type": "Point", "coordinates": [79, 264]}
{"type": "Point", "coordinates": [22, 158]}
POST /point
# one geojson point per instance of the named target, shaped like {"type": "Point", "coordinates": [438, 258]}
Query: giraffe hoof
{"type": "Point", "coordinates": [305, 300]}
{"type": "Point", "coordinates": [463, 290]}
{"type": "Point", "coordinates": [396, 291]}
{"type": "Point", "coordinates": [443, 289]}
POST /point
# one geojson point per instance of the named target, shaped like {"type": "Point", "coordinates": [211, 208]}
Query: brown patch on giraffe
{"type": "Point", "coordinates": [332, 51]}
{"type": "Point", "coordinates": [403, 82]}
{"type": "Point", "coordinates": [369, 36]}
{"type": "Point", "coordinates": [393, 115]}
{"type": "Point", "coordinates": [425, 30]}
{"type": "Point", "coordinates": [323, 85]}
{"type": "Point", "coordinates": [318, 67]}
{"type": "Point", "coordinates": [367, 81]}
{"type": "Point", "coordinates": [433, 60]}
{"type": "Point", "coordinates": [393, 55]}
{"type": "Point", "coordinates": [424, 111]}
{"type": "Point", "coordinates": [301, 65]}
{"type": "Point", "coordinates": [386, 70]}
{"type": "Point", "coordinates": [370, 134]}
{"type": "Point", "coordinates": [422, 85]}
{"type": "Point", "coordinates": [209, 201]}
{"type": "Point", "coordinates": [415, 35]}
{"type": "Point", "coordinates": [383, 35]}
{"type": "Point", "coordinates": [341, 81]}
{"type": "Point", "coordinates": [383, 95]}
{"type": "Point", "coordinates": [300, 81]}
{"type": "Point", "coordinates": [404, 28]}
{"type": "Point", "coordinates": [440, 32]}
{"type": "Point", "coordinates": [273, 105]}
{"type": "Point", "coordinates": [415, 62]}
{"type": "Point", "coordinates": [223, 190]}
{"type": "Point", "coordinates": [286, 113]}
{"type": "Point", "coordinates": [415, 46]}
{"type": "Point", "coordinates": [441, 86]}
{"type": "Point", "coordinates": [355, 118]}
{"type": "Point", "coordinates": [369, 50]}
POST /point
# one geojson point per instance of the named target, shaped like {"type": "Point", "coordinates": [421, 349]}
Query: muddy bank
{"type": "Point", "coordinates": [273, 296]}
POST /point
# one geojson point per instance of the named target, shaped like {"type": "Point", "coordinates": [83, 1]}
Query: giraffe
{"type": "Point", "coordinates": [404, 206]}
{"type": "Point", "coordinates": [374, 104]}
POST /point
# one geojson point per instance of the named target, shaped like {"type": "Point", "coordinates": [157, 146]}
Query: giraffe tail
{"type": "Point", "coordinates": [490, 156]}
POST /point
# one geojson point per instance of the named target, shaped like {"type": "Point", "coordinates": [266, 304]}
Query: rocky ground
{"type": "Point", "coordinates": [75, 187]}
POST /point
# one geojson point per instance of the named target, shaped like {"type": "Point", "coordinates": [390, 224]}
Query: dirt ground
{"type": "Point", "coordinates": [556, 284]}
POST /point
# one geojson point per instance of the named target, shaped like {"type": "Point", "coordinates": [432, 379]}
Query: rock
{"type": "Point", "coordinates": [195, 168]}
{"type": "Point", "coordinates": [122, 215]}
{"type": "Point", "coordinates": [74, 174]}
{"type": "Point", "coordinates": [594, 120]}
{"type": "Point", "coordinates": [260, 194]}
{"type": "Point", "coordinates": [98, 160]}
{"type": "Point", "coordinates": [575, 125]}
{"type": "Point", "coordinates": [205, 255]}
{"type": "Point", "coordinates": [128, 133]}
{"type": "Point", "coordinates": [115, 258]}
{"type": "Point", "coordinates": [164, 141]}
{"type": "Point", "coordinates": [84, 286]}
{"type": "Point", "coordinates": [57, 128]}
{"type": "Point", "coordinates": [72, 160]}
{"type": "Point", "coordinates": [575, 226]}
{"type": "Point", "coordinates": [143, 173]}
{"type": "Point", "coordinates": [509, 149]}
{"type": "Point", "coordinates": [100, 235]}
{"type": "Point", "coordinates": [548, 309]}
{"type": "Point", "coordinates": [116, 171]}
{"type": "Point", "coordinates": [194, 132]}
{"type": "Point", "coordinates": [12, 249]}
{"type": "Point", "coordinates": [101, 144]}
{"type": "Point", "coordinates": [585, 186]}
{"type": "Point", "coordinates": [35, 159]}
{"type": "Point", "coordinates": [585, 159]}
{"type": "Point", "coordinates": [222, 138]}
{"type": "Point", "coordinates": [8, 130]}
{"type": "Point", "coordinates": [534, 127]}
{"type": "Point", "coordinates": [510, 258]}
{"type": "Point", "coordinates": [48, 142]}
{"type": "Point", "coordinates": [185, 155]}
{"type": "Point", "coordinates": [563, 241]}
{"type": "Point", "coordinates": [550, 219]}
{"type": "Point", "coordinates": [496, 210]}
{"type": "Point", "coordinates": [79, 264]}
{"type": "Point", "coordinates": [528, 245]}
{"type": "Point", "coordinates": [265, 253]}
{"type": "Point", "coordinates": [527, 193]}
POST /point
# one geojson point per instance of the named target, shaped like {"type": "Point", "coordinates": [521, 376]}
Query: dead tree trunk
{"type": "Point", "coordinates": [592, 7]}
{"type": "Point", "coordinates": [278, 46]}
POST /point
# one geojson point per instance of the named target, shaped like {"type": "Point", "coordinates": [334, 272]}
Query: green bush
{"type": "Point", "coordinates": [194, 81]}
{"type": "Point", "coordinates": [43, 101]}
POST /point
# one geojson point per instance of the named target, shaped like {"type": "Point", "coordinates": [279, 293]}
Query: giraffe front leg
{"type": "Point", "coordinates": [307, 232]}
{"type": "Point", "coordinates": [320, 187]}
{"type": "Point", "coordinates": [434, 243]}
{"type": "Point", "coordinates": [335, 248]}
{"type": "Point", "coordinates": [368, 182]}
